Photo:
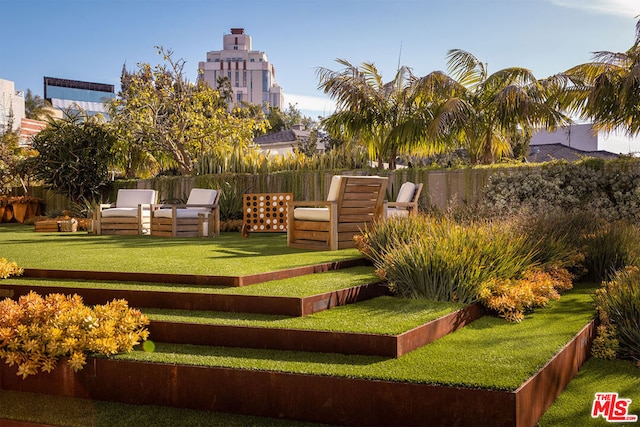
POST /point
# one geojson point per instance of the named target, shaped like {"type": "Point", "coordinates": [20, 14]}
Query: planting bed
{"type": "Point", "coordinates": [298, 395]}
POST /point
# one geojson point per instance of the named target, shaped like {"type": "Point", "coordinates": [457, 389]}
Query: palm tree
{"type": "Point", "coordinates": [494, 108]}
{"type": "Point", "coordinates": [389, 118]}
{"type": "Point", "coordinates": [35, 107]}
{"type": "Point", "coordinates": [607, 90]}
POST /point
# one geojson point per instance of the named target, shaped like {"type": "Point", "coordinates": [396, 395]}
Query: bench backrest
{"type": "Point", "coordinates": [202, 196]}
{"type": "Point", "coordinates": [133, 198]}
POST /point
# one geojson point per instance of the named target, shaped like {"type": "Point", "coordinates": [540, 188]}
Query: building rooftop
{"type": "Point", "coordinates": [289, 135]}
{"type": "Point", "coordinates": [547, 152]}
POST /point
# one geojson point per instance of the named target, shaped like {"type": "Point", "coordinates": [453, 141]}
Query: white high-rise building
{"type": "Point", "coordinates": [11, 106]}
{"type": "Point", "coordinates": [251, 75]}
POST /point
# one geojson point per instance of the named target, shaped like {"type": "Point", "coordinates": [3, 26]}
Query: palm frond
{"type": "Point", "coordinates": [465, 68]}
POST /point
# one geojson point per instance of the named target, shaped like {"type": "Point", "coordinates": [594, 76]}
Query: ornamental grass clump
{"type": "Point", "coordinates": [438, 259]}
{"type": "Point", "coordinates": [609, 248]}
{"type": "Point", "coordinates": [507, 266]}
{"type": "Point", "coordinates": [8, 269]}
{"type": "Point", "coordinates": [35, 331]}
{"type": "Point", "coordinates": [555, 238]}
{"type": "Point", "coordinates": [618, 304]}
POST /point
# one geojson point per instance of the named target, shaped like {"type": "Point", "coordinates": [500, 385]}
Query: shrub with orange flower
{"type": "Point", "coordinates": [512, 298]}
{"type": "Point", "coordinates": [9, 269]}
{"type": "Point", "coordinates": [35, 331]}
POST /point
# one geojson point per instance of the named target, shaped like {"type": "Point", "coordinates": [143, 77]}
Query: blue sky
{"type": "Point", "coordinates": [90, 40]}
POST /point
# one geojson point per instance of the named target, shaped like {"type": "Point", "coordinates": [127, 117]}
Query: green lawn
{"type": "Point", "coordinates": [225, 255]}
{"type": "Point", "coordinates": [68, 412]}
{"type": "Point", "coordinates": [383, 315]}
{"type": "Point", "coordinates": [573, 406]}
{"type": "Point", "coordinates": [489, 353]}
{"type": "Point", "coordinates": [296, 287]}
{"type": "Point", "coordinates": [497, 354]}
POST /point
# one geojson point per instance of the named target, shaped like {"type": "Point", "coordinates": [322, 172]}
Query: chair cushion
{"type": "Point", "coordinates": [397, 212]}
{"type": "Point", "coordinates": [133, 198]}
{"type": "Point", "coordinates": [311, 214]}
{"type": "Point", "coordinates": [122, 212]}
{"type": "Point", "coordinates": [201, 196]}
{"type": "Point", "coordinates": [181, 213]}
{"type": "Point", "coordinates": [407, 190]}
{"type": "Point", "coordinates": [334, 188]}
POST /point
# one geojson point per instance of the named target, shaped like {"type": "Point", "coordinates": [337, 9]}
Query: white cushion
{"type": "Point", "coordinates": [133, 198]}
{"type": "Point", "coordinates": [201, 196]}
{"type": "Point", "coordinates": [334, 188]}
{"type": "Point", "coordinates": [180, 212]}
{"type": "Point", "coordinates": [311, 214]}
{"type": "Point", "coordinates": [397, 212]}
{"type": "Point", "coordinates": [407, 190]}
{"type": "Point", "coordinates": [122, 212]}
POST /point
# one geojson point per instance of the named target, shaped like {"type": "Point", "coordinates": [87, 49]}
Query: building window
{"type": "Point", "coordinates": [237, 79]}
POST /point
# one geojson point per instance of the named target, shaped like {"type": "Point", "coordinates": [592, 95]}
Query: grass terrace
{"type": "Point", "coordinates": [489, 353]}
{"type": "Point", "coordinates": [226, 255]}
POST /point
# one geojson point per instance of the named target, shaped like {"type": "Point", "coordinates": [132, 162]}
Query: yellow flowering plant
{"type": "Point", "coordinates": [511, 298]}
{"type": "Point", "coordinates": [9, 269]}
{"type": "Point", "coordinates": [36, 331]}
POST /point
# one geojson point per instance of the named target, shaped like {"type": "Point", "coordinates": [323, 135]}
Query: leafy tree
{"type": "Point", "coordinates": [35, 107]}
{"type": "Point", "coordinates": [492, 109]}
{"type": "Point", "coordinates": [280, 120]}
{"type": "Point", "coordinates": [607, 90]}
{"type": "Point", "coordinates": [225, 90]}
{"type": "Point", "coordinates": [173, 120]}
{"type": "Point", "coordinates": [8, 149]}
{"type": "Point", "coordinates": [389, 118]}
{"type": "Point", "coordinates": [309, 147]}
{"type": "Point", "coordinates": [74, 156]}
{"type": "Point", "coordinates": [13, 168]}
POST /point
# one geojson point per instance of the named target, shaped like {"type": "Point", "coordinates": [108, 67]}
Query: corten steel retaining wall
{"type": "Point", "coordinates": [312, 398]}
{"type": "Point", "coordinates": [194, 279]}
{"type": "Point", "coordinates": [314, 341]}
{"type": "Point", "coordinates": [285, 306]}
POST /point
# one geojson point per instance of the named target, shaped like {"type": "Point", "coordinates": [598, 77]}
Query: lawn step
{"type": "Point", "coordinates": [277, 305]}
{"type": "Point", "coordinates": [194, 279]}
{"type": "Point", "coordinates": [313, 340]}
{"type": "Point", "coordinates": [315, 398]}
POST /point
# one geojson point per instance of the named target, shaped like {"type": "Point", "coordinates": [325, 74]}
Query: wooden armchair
{"type": "Point", "coordinates": [128, 215]}
{"type": "Point", "coordinates": [406, 203]}
{"type": "Point", "coordinates": [199, 217]}
{"type": "Point", "coordinates": [352, 203]}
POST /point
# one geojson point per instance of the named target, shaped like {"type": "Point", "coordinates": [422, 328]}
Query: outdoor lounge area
{"type": "Point", "coordinates": [210, 330]}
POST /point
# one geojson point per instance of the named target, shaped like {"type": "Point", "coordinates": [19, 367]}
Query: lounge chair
{"type": "Point", "coordinates": [406, 203]}
{"type": "Point", "coordinates": [199, 217]}
{"type": "Point", "coordinates": [128, 215]}
{"type": "Point", "coordinates": [353, 202]}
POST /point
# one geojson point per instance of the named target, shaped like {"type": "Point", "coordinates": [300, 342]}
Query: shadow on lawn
{"type": "Point", "coordinates": [275, 356]}
{"type": "Point", "coordinates": [232, 243]}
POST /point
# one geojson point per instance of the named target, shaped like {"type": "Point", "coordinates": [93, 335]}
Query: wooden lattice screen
{"type": "Point", "coordinates": [266, 212]}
